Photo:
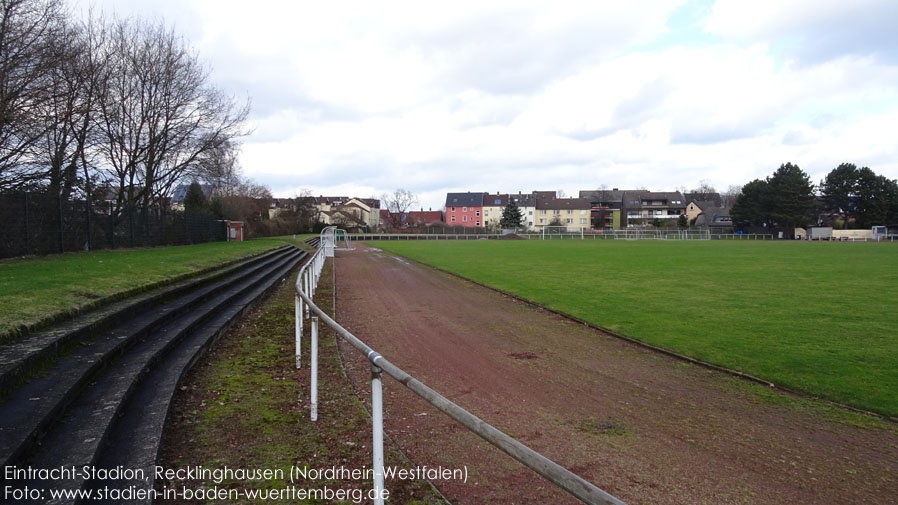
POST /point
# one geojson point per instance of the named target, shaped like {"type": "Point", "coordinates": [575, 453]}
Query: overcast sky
{"type": "Point", "coordinates": [360, 98]}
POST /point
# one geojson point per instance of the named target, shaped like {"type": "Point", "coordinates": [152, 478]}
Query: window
{"type": "Point", "coordinates": [453, 219]}
{"type": "Point", "coordinates": [582, 212]}
{"type": "Point", "coordinates": [497, 201]}
{"type": "Point", "coordinates": [582, 220]}
{"type": "Point", "coordinates": [569, 220]}
{"type": "Point", "coordinates": [464, 219]}
{"type": "Point", "coordinates": [464, 209]}
{"type": "Point", "coordinates": [477, 223]}
{"type": "Point", "coordinates": [543, 212]}
{"type": "Point", "coordinates": [477, 213]}
{"type": "Point", "coordinates": [453, 209]}
{"type": "Point", "coordinates": [556, 212]}
{"type": "Point", "coordinates": [529, 212]}
{"type": "Point", "coordinates": [569, 212]}
{"type": "Point", "coordinates": [542, 220]}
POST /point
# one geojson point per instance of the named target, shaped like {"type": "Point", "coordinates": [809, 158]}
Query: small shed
{"type": "Point", "coordinates": [234, 231]}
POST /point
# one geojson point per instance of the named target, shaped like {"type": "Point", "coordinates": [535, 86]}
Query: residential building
{"type": "Point", "coordinates": [357, 214]}
{"type": "Point", "coordinates": [279, 205]}
{"type": "Point", "coordinates": [605, 208]}
{"type": "Point", "coordinates": [644, 208]}
{"type": "Point", "coordinates": [465, 209]}
{"type": "Point", "coordinates": [493, 207]}
{"type": "Point", "coordinates": [709, 215]}
{"type": "Point", "coordinates": [527, 203]}
{"type": "Point", "coordinates": [574, 213]}
{"type": "Point", "coordinates": [410, 219]}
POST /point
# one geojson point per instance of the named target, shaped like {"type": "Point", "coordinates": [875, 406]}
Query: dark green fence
{"type": "Point", "coordinates": [34, 223]}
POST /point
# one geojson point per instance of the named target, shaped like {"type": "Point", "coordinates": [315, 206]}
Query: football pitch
{"type": "Point", "coordinates": [821, 318]}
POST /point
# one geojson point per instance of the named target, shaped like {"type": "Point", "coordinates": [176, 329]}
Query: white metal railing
{"type": "Point", "coordinates": [742, 236]}
{"type": "Point", "coordinates": [306, 282]}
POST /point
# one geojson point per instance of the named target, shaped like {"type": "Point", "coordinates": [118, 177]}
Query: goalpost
{"type": "Point", "coordinates": [333, 238]}
{"type": "Point", "coordinates": [561, 232]}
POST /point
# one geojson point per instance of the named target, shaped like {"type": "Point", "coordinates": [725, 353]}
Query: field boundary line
{"type": "Point", "coordinates": [661, 350]}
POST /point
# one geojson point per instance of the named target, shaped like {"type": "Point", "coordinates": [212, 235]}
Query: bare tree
{"type": "Point", "coordinates": [28, 29]}
{"type": "Point", "coordinates": [704, 191]}
{"type": "Point", "coordinates": [159, 116]}
{"type": "Point", "coordinates": [728, 197]}
{"type": "Point", "coordinates": [74, 84]}
{"type": "Point", "coordinates": [397, 203]}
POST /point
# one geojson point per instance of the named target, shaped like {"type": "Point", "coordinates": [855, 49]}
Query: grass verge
{"type": "Point", "coordinates": [36, 291]}
{"type": "Point", "coordinates": [814, 317]}
{"type": "Point", "coordinates": [245, 405]}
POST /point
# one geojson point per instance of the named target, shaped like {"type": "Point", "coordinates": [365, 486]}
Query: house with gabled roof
{"type": "Point", "coordinates": [465, 209]}
{"type": "Point", "coordinates": [710, 215]}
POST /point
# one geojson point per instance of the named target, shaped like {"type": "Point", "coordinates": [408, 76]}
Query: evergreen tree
{"type": "Point", "coordinates": [752, 205]}
{"type": "Point", "coordinates": [511, 216]}
{"type": "Point", "coordinates": [195, 199]}
{"type": "Point", "coordinates": [791, 197]}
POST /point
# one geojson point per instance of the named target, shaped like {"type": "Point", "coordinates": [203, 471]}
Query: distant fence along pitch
{"type": "Point", "coordinates": [33, 223]}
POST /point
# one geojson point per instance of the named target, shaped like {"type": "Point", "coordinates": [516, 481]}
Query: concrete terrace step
{"type": "Point", "coordinates": [22, 355]}
{"type": "Point", "coordinates": [79, 437]}
{"type": "Point", "coordinates": [34, 405]}
{"type": "Point", "coordinates": [135, 439]}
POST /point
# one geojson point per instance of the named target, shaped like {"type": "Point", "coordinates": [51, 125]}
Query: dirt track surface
{"type": "Point", "coordinates": [644, 427]}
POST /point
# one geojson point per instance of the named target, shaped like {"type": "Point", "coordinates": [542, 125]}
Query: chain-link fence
{"type": "Point", "coordinates": [33, 223]}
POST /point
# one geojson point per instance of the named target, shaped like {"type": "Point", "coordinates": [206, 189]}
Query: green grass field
{"type": "Point", "coordinates": [39, 289]}
{"type": "Point", "coordinates": [821, 318]}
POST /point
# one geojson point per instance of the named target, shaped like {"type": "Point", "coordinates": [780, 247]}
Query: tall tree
{"type": "Point", "coordinates": [752, 206]}
{"type": "Point", "coordinates": [876, 199]}
{"type": "Point", "coordinates": [159, 116]}
{"type": "Point", "coordinates": [74, 83]}
{"type": "Point", "coordinates": [839, 191]}
{"type": "Point", "coordinates": [195, 199]}
{"type": "Point", "coordinates": [28, 53]}
{"type": "Point", "coordinates": [791, 197]}
{"type": "Point", "coordinates": [511, 216]}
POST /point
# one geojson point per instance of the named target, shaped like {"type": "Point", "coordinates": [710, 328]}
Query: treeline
{"type": "Point", "coordinates": [849, 197]}
{"type": "Point", "coordinates": [118, 110]}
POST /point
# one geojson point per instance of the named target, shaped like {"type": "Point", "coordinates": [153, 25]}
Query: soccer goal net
{"type": "Point", "coordinates": [333, 238]}
{"type": "Point", "coordinates": [561, 232]}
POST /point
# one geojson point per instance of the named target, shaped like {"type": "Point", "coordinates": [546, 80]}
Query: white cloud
{"type": "Point", "coordinates": [365, 97]}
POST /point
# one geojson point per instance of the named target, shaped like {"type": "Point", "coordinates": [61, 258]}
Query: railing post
{"type": "Point", "coordinates": [314, 373]}
{"type": "Point", "coordinates": [308, 289]}
{"type": "Point", "coordinates": [377, 429]}
{"type": "Point", "coordinates": [297, 313]}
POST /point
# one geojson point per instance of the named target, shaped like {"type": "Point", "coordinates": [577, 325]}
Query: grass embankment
{"type": "Point", "coordinates": [245, 405]}
{"type": "Point", "coordinates": [37, 290]}
{"type": "Point", "coordinates": [815, 317]}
